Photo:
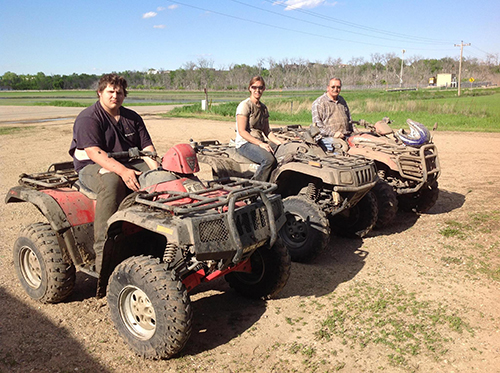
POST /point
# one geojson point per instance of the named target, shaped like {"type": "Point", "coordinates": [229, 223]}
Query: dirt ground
{"type": "Point", "coordinates": [434, 277]}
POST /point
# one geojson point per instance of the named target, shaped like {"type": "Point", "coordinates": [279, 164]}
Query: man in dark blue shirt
{"type": "Point", "coordinates": [105, 127]}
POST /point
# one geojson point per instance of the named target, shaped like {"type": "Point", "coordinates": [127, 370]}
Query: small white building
{"type": "Point", "coordinates": [446, 80]}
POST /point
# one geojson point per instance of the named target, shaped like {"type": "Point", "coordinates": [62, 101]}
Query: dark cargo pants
{"type": "Point", "coordinates": [111, 191]}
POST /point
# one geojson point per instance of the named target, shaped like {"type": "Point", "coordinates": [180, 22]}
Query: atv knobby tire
{"type": "Point", "coordinates": [150, 307]}
{"type": "Point", "coordinates": [421, 201]}
{"type": "Point", "coordinates": [387, 204]}
{"type": "Point", "coordinates": [357, 221]}
{"type": "Point", "coordinates": [270, 273]}
{"type": "Point", "coordinates": [40, 265]}
{"type": "Point", "coordinates": [306, 230]}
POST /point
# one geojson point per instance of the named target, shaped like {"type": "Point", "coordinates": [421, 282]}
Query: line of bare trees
{"type": "Point", "coordinates": [381, 70]}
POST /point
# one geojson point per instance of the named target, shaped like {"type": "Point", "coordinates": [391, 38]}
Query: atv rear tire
{"type": "Point", "coordinates": [421, 201]}
{"type": "Point", "coordinates": [270, 273]}
{"type": "Point", "coordinates": [357, 221]}
{"type": "Point", "coordinates": [150, 307]}
{"type": "Point", "coordinates": [387, 204]}
{"type": "Point", "coordinates": [306, 230]}
{"type": "Point", "coordinates": [40, 265]}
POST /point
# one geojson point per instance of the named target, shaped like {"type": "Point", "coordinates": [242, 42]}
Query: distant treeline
{"type": "Point", "coordinates": [381, 70]}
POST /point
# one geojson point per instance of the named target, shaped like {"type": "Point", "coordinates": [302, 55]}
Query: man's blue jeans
{"type": "Point", "coordinates": [256, 154]}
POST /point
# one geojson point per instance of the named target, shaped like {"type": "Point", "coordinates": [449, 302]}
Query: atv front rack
{"type": "Point", "coordinates": [229, 189]}
{"type": "Point", "coordinates": [220, 202]}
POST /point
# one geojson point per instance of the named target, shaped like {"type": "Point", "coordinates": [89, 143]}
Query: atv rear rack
{"type": "Point", "coordinates": [49, 179]}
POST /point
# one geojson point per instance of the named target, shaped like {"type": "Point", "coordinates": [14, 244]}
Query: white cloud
{"type": "Point", "coordinates": [149, 15]}
{"type": "Point", "coordinates": [173, 6]}
{"type": "Point", "coordinates": [299, 4]}
{"type": "Point", "coordinates": [160, 8]}
{"type": "Point", "coordinates": [159, 26]}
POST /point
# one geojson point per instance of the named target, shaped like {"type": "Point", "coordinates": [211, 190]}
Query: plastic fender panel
{"type": "Point", "coordinates": [78, 208]}
{"type": "Point", "coordinates": [174, 185]}
{"type": "Point", "coordinates": [383, 157]}
{"type": "Point", "coordinates": [367, 139]}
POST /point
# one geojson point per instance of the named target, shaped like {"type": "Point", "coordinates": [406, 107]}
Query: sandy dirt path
{"type": "Point", "coordinates": [406, 273]}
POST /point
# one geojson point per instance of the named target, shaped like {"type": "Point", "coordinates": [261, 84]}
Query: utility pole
{"type": "Point", "coordinates": [401, 75]}
{"type": "Point", "coordinates": [461, 45]}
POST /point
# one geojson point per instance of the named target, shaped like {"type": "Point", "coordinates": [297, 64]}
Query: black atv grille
{"type": "Point", "coordinates": [259, 218]}
{"type": "Point", "coordinates": [213, 230]}
{"type": "Point", "coordinates": [364, 176]}
{"type": "Point", "coordinates": [412, 167]}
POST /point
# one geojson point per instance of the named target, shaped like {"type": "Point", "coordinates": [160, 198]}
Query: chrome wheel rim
{"type": "Point", "coordinates": [31, 269]}
{"type": "Point", "coordinates": [137, 312]}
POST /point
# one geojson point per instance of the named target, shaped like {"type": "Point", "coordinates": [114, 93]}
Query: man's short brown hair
{"type": "Point", "coordinates": [113, 80]}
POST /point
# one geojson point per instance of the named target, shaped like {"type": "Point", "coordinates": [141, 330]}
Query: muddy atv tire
{"type": "Point", "coordinates": [422, 201]}
{"type": "Point", "coordinates": [357, 221]}
{"type": "Point", "coordinates": [270, 273]}
{"type": "Point", "coordinates": [150, 307]}
{"type": "Point", "coordinates": [306, 230]}
{"type": "Point", "coordinates": [387, 204]}
{"type": "Point", "coordinates": [40, 266]}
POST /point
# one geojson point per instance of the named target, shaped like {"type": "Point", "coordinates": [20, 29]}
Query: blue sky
{"type": "Point", "coordinates": [96, 37]}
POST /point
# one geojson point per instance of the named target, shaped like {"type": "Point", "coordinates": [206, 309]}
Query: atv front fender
{"type": "Point", "coordinates": [382, 157]}
{"type": "Point", "coordinates": [341, 183]}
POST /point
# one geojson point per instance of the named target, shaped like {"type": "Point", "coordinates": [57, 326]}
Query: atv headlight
{"type": "Point", "coordinates": [346, 177]}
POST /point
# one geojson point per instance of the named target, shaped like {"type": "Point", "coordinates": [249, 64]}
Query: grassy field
{"type": "Point", "coordinates": [475, 110]}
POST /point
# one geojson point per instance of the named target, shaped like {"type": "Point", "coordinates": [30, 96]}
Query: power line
{"type": "Point", "coordinates": [292, 30]}
{"type": "Point", "coordinates": [333, 28]}
{"type": "Point", "coordinates": [359, 26]}
{"type": "Point", "coordinates": [480, 50]}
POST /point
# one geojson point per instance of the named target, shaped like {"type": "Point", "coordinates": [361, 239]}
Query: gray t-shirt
{"type": "Point", "coordinates": [258, 120]}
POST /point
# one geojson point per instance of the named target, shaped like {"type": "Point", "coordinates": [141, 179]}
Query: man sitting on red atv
{"type": "Point", "coordinates": [331, 115]}
{"type": "Point", "coordinates": [104, 127]}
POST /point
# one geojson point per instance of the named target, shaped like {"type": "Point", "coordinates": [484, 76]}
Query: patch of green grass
{"type": "Point", "coordinates": [11, 130]}
{"type": "Point", "coordinates": [306, 351]}
{"type": "Point", "coordinates": [451, 260]}
{"type": "Point", "coordinates": [454, 229]}
{"type": "Point", "coordinates": [390, 316]}
{"type": "Point", "coordinates": [479, 258]}
{"type": "Point", "coordinates": [61, 103]}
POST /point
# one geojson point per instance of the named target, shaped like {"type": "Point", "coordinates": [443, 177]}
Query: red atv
{"type": "Point", "coordinates": [407, 160]}
{"type": "Point", "coordinates": [174, 234]}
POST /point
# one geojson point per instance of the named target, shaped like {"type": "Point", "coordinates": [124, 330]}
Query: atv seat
{"type": "Point", "coordinates": [84, 190]}
{"type": "Point", "coordinates": [240, 158]}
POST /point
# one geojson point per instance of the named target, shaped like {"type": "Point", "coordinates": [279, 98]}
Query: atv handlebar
{"type": "Point", "coordinates": [363, 123]}
{"type": "Point", "coordinates": [297, 131]}
{"type": "Point", "coordinates": [132, 153]}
